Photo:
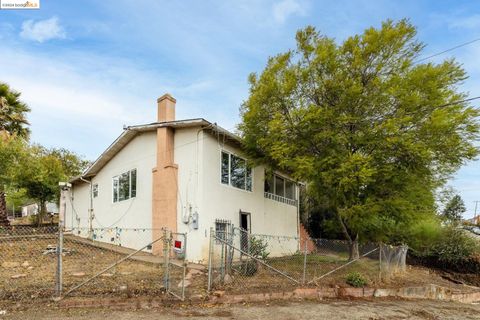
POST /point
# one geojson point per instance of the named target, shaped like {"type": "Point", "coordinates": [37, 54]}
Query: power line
{"type": "Point", "coordinates": [448, 50]}
{"type": "Point", "coordinates": [457, 102]}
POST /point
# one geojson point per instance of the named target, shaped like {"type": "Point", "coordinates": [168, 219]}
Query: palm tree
{"type": "Point", "coordinates": [13, 123]}
{"type": "Point", "coordinates": [12, 112]}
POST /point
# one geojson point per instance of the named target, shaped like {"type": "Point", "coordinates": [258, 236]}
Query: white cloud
{"type": "Point", "coordinates": [42, 30]}
{"type": "Point", "coordinates": [284, 9]}
{"type": "Point", "coordinates": [471, 22]}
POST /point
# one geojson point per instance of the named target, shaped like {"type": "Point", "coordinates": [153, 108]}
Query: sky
{"type": "Point", "coordinates": [87, 68]}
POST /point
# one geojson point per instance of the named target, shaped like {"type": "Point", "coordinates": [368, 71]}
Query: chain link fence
{"type": "Point", "coordinates": [43, 262]}
{"type": "Point", "coordinates": [243, 262]}
{"type": "Point", "coordinates": [27, 262]}
{"type": "Point", "coordinates": [111, 261]}
{"type": "Point", "coordinates": [392, 260]}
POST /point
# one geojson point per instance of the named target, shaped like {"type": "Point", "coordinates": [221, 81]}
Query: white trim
{"type": "Point", "coordinates": [274, 197]}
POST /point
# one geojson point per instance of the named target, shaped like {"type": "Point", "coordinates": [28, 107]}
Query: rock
{"type": "Point", "coordinates": [194, 266]}
{"type": "Point", "coordinates": [78, 274]}
{"type": "Point", "coordinates": [123, 288]}
{"type": "Point", "coordinates": [184, 283]}
{"type": "Point", "coordinates": [219, 293]}
{"type": "Point", "coordinates": [227, 279]}
{"type": "Point", "coordinates": [10, 264]}
{"type": "Point", "coordinates": [25, 264]}
{"type": "Point", "coordinates": [30, 268]}
{"type": "Point", "coordinates": [17, 276]}
{"type": "Point", "coordinates": [107, 275]}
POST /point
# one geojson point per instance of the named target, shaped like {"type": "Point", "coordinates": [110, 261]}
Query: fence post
{"type": "Point", "coordinates": [380, 262]}
{"type": "Point", "coordinates": [64, 187]}
{"type": "Point", "coordinates": [185, 264]}
{"type": "Point", "coordinates": [304, 263]}
{"type": "Point", "coordinates": [210, 261]}
{"type": "Point", "coordinates": [166, 256]}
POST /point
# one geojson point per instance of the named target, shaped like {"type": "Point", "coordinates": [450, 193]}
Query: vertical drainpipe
{"type": "Point", "coordinates": [90, 210]}
{"type": "Point", "coordinates": [298, 216]}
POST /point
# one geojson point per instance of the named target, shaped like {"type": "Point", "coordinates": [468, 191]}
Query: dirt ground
{"type": "Point", "coordinates": [331, 310]}
{"type": "Point", "coordinates": [28, 271]}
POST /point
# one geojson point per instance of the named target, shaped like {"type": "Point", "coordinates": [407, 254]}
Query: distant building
{"type": "Point", "coordinates": [33, 209]}
{"type": "Point", "coordinates": [474, 220]}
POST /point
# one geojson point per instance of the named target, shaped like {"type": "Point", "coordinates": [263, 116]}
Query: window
{"type": "Point", "coordinates": [125, 186]}
{"type": "Point", "coordinates": [289, 190]}
{"type": "Point", "coordinates": [280, 189]}
{"type": "Point", "coordinates": [225, 166]}
{"type": "Point", "coordinates": [279, 186]}
{"type": "Point", "coordinates": [221, 228]}
{"type": "Point", "coordinates": [236, 172]}
{"type": "Point", "coordinates": [95, 190]}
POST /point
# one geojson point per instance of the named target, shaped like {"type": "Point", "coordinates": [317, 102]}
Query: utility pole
{"type": "Point", "coordinates": [475, 214]}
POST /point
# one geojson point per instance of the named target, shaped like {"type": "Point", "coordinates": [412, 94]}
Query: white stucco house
{"type": "Point", "coordinates": [184, 175]}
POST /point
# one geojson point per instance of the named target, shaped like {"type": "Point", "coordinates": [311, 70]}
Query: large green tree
{"type": "Point", "coordinates": [371, 131]}
{"type": "Point", "coordinates": [42, 170]}
{"type": "Point", "coordinates": [11, 150]}
{"type": "Point", "coordinates": [13, 125]}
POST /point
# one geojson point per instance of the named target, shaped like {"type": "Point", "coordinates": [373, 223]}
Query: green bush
{"type": "Point", "coordinates": [355, 279]}
{"type": "Point", "coordinates": [248, 268]}
{"type": "Point", "coordinates": [455, 246]}
{"type": "Point", "coordinates": [258, 248]}
{"type": "Point", "coordinates": [453, 250]}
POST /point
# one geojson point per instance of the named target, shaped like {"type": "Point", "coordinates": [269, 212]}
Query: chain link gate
{"type": "Point", "coordinates": [235, 257]}
{"type": "Point", "coordinates": [87, 266]}
{"type": "Point", "coordinates": [175, 250]}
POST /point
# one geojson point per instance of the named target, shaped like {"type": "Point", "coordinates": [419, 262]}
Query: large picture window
{"type": "Point", "coordinates": [236, 171]}
{"type": "Point", "coordinates": [125, 186]}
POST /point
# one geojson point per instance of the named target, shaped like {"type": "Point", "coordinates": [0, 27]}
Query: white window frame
{"type": "Point", "coordinates": [117, 178]}
{"type": "Point", "coordinates": [273, 195]}
{"type": "Point", "coordinates": [229, 184]}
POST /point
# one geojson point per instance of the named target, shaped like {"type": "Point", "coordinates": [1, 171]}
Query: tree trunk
{"type": "Point", "coordinates": [354, 252]}
{"type": "Point", "coordinates": [41, 212]}
{"type": "Point", "coordinates": [3, 210]}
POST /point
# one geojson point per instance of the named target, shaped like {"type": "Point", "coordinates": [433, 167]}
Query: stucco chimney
{"type": "Point", "coordinates": [166, 108]}
{"type": "Point", "coordinates": [165, 175]}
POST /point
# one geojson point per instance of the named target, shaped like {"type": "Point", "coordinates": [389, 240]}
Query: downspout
{"type": "Point", "coordinates": [297, 191]}
{"type": "Point", "coordinates": [90, 210]}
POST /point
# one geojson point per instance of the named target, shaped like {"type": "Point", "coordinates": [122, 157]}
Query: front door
{"type": "Point", "coordinates": [245, 230]}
